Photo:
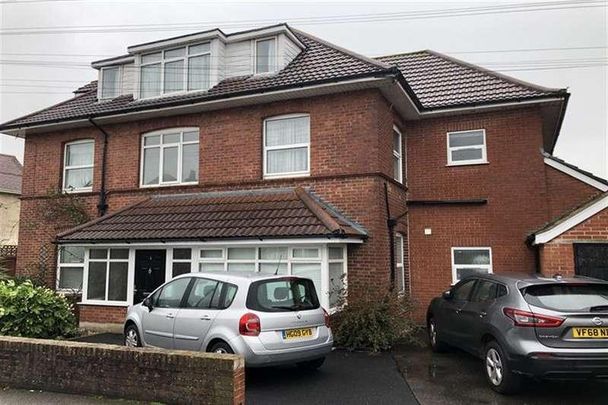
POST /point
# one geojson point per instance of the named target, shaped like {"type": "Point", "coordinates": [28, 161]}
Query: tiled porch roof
{"type": "Point", "coordinates": [252, 214]}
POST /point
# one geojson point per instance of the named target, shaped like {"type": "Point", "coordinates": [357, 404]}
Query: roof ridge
{"type": "Point", "coordinates": [400, 54]}
{"type": "Point", "coordinates": [342, 50]}
{"type": "Point", "coordinates": [318, 211]}
{"type": "Point", "coordinates": [495, 73]}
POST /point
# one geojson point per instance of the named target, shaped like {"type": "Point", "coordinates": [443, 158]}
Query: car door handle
{"type": "Point", "coordinates": [170, 316]}
{"type": "Point", "coordinates": [482, 314]}
{"type": "Point", "coordinates": [205, 318]}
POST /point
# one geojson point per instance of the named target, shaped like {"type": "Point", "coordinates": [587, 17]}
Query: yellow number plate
{"type": "Point", "coordinates": [590, 333]}
{"type": "Point", "coordinates": [297, 333]}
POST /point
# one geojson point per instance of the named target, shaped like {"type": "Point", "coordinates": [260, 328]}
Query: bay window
{"type": "Point", "coordinates": [170, 157]}
{"type": "Point", "coordinates": [468, 261]}
{"type": "Point", "coordinates": [108, 272]}
{"type": "Point", "coordinates": [186, 68]}
{"type": "Point", "coordinates": [78, 166]}
{"type": "Point", "coordinates": [287, 146]}
{"type": "Point", "coordinates": [71, 268]}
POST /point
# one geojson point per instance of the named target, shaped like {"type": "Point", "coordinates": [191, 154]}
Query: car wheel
{"type": "Point", "coordinates": [221, 348]}
{"type": "Point", "coordinates": [132, 338]}
{"type": "Point", "coordinates": [436, 345]}
{"type": "Point", "coordinates": [498, 370]}
{"type": "Point", "coordinates": [311, 364]}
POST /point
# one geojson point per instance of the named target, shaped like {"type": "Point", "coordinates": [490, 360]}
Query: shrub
{"type": "Point", "coordinates": [374, 322]}
{"type": "Point", "coordinates": [30, 311]}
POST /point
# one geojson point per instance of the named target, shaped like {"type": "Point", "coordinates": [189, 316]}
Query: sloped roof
{"type": "Point", "coordinates": [252, 214]}
{"type": "Point", "coordinates": [577, 169]}
{"type": "Point", "coordinates": [10, 174]}
{"type": "Point", "coordinates": [434, 81]}
{"type": "Point", "coordinates": [440, 81]}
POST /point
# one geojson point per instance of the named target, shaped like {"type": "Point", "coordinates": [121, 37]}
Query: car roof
{"type": "Point", "coordinates": [234, 276]}
{"type": "Point", "coordinates": [527, 279]}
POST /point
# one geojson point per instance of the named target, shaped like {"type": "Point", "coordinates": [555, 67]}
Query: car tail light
{"type": "Point", "coordinates": [326, 318]}
{"type": "Point", "coordinates": [529, 319]}
{"type": "Point", "coordinates": [249, 325]}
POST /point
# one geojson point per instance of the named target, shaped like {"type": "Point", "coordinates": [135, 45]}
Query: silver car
{"type": "Point", "coordinates": [550, 328]}
{"type": "Point", "coordinates": [269, 320]}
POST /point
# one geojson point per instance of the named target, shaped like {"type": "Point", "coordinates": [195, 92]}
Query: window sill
{"type": "Point", "coordinates": [168, 185]}
{"type": "Point", "coordinates": [105, 303]}
{"type": "Point", "coordinates": [285, 175]}
{"type": "Point", "coordinates": [468, 163]}
{"type": "Point", "coordinates": [78, 190]}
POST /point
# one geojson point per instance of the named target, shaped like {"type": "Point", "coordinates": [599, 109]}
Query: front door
{"type": "Point", "coordinates": [149, 272]}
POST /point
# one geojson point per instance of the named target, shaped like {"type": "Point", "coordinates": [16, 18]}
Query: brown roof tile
{"type": "Point", "coordinates": [272, 213]}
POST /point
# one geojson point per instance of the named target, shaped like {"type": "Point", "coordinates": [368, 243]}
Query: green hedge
{"type": "Point", "coordinates": [33, 311]}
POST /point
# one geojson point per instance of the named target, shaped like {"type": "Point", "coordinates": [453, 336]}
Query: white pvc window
{"type": "Point", "coordinates": [181, 262]}
{"type": "Point", "coordinates": [468, 261]}
{"type": "Point", "coordinates": [108, 275]}
{"type": "Point", "coordinates": [71, 268]}
{"type": "Point", "coordinates": [78, 166]}
{"type": "Point", "coordinates": [266, 55]}
{"type": "Point", "coordinates": [176, 70]}
{"type": "Point", "coordinates": [397, 155]}
{"type": "Point", "coordinates": [287, 146]}
{"type": "Point", "coordinates": [110, 82]}
{"type": "Point", "coordinates": [467, 147]}
{"type": "Point", "coordinates": [170, 157]}
{"type": "Point", "coordinates": [337, 274]}
{"type": "Point", "coordinates": [399, 263]}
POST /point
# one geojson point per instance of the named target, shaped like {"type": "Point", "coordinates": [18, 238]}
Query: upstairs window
{"type": "Point", "coordinates": [170, 157]}
{"type": "Point", "coordinates": [110, 82]}
{"type": "Point", "coordinates": [467, 147]}
{"type": "Point", "coordinates": [266, 55]}
{"type": "Point", "coordinates": [78, 166]}
{"type": "Point", "coordinates": [467, 261]}
{"type": "Point", "coordinates": [287, 146]}
{"type": "Point", "coordinates": [175, 70]}
{"type": "Point", "coordinates": [397, 155]}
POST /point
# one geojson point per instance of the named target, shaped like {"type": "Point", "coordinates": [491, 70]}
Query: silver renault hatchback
{"type": "Point", "coordinates": [269, 320]}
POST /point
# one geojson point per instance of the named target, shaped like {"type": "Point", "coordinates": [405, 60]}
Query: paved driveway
{"type": "Point", "coordinates": [457, 378]}
{"type": "Point", "coordinates": [345, 378]}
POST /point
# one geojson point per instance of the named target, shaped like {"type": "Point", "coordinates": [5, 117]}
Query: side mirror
{"type": "Point", "coordinates": [447, 295]}
{"type": "Point", "coordinates": [148, 304]}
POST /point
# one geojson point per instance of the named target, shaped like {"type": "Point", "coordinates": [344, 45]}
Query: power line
{"type": "Point", "coordinates": [336, 19]}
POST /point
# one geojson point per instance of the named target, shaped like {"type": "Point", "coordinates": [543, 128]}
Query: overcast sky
{"type": "Point", "coordinates": [526, 41]}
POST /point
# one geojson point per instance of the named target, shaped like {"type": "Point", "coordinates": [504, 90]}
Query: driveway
{"type": "Point", "coordinates": [345, 378]}
{"type": "Point", "coordinates": [457, 378]}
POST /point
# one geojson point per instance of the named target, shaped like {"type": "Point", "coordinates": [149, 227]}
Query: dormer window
{"type": "Point", "coordinates": [110, 82]}
{"type": "Point", "coordinates": [266, 55]}
{"type": "Point", "coordinates": [175, 70]}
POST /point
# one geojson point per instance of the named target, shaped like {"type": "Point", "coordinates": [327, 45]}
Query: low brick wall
{"type": "Point", "coordinates": [176, 377]}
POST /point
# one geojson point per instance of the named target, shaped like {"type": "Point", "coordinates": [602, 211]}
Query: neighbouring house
{"type": "Point", "coordinates": [10, 192]}
{"type": "Point", "coordinates": [275, 151]}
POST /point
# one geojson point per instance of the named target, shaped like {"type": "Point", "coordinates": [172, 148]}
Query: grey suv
{"type": "Point", "coordinates": [553, 328]}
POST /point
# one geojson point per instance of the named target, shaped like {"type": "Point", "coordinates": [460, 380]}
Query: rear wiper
{"type": "Point", "coordinates": [294, 307]}
{"type": "Point", "coordinates": [599, 308]}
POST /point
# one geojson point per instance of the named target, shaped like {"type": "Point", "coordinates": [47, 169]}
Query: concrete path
{"type": "Point", "coordinates": [26, 397]}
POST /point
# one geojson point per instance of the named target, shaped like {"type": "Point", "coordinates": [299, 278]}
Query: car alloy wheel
{"type": "Point", "coordinates": [131, 338]}
{"type": "Point", "coordinates": [433, 333]}
{"type": "Point", "coordinates": [221, 350]}
{"type": "Point", "coordinates": [494, 366]}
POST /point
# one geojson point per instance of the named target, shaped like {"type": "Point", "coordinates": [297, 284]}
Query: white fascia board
{"type": "Point", "coordinates": [576, 174]}
{"type": "Point", "coordinates": [230, 102]}
{"type": "Point", "coordinates": [272, 31]}
{"type": "Point", "coordinates": [113, 62]}
{"type": "Point", "coordinates": [571, 222]}
{"type": "Point", "coordinates": [186, 39]}
{"type": "Point", "coordinates": [450, 111]}
{"type": "Point", "coordinates": [242, 242]}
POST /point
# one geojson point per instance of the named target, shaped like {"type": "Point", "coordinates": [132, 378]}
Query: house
{"type": "Point", "coordinates": [272, 150]}
{"type": "Point", "coordinates": [10, 191]}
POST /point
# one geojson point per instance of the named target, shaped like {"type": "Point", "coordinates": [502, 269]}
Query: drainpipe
{"type": "Point", "coordinates": [390, 223]}
{"type": "Point", "coordinates": [102, 205]}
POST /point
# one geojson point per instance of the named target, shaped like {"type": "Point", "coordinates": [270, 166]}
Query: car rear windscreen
{"type": "Point", "coordinates": [568, 297]}
{"type": "Point", "coordinates": [282, 295]}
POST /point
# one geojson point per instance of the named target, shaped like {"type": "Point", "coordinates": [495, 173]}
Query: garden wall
{"type": "Point", "coordinates": [176, 377]}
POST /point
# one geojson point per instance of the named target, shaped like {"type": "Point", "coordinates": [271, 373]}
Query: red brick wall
{"type": "Point", "coordinates": [564, 192]}
{"type": "Point", "coordinates": [351, 159]}
{"type": "Point", "coordinates": [102, 314]}
{"type": "Point", "coordinates": [557, 256]}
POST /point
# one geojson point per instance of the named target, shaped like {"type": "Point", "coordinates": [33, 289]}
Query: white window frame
{"type": "Point", "coordinates": [401, 264]}
{"type": "Point", "coordinates": [66, 167]}
{"type": "Point", "coordinates": [162, 147]}
{"type": "Point", "coordinates": [484, 156]}
{"type": "Point", "coordinates": [100, 95]}
{"type": "Point", "coordinates": [266, 149]}
{"type": "Point", "coordinates": [398, 154]}
{"type": "Point", "coordinates": [255, 56]}
{"type": "Point", "coordinates": [163, 61]}
{"type": "Point", "coordinates": [344, 261]}
{"type": "Point", "coordinates": [61, 265]}
{"type": "Point", "coordinates": [130, 276]}
{"type": "Point", "coordinates": [455, 278]}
